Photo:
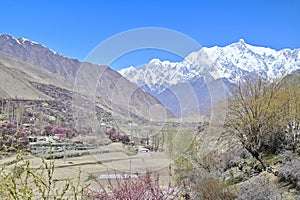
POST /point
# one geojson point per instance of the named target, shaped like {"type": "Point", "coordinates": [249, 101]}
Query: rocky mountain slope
{"type": "Point", "coordinates": [39, 55]}
{"type": "Point", "coordinates": [23, 62]}
{"type": "Point", "coordinates": [230, 64]}
{"type": "Point", "coordinates": [17, 75]}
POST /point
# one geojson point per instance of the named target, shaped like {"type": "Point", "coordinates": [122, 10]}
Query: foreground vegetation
{"type": "Point", "coordinates": [254, 154]}
{"type": "Point", "coordinates": [20, 181]}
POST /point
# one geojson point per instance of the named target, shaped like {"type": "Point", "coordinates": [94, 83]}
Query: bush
{"type": "Point", "coordinates": [144, 187]}
{"type": "Point", "coordinates": [23, 182]}
{"type": "Point", "coordinates": [61, 132]}
{"type": "Point", "coordinates": [290, 172]}
{"type": "Point", "coordinates": [117, 137]}
{"type": "Point", "coordinates": [259, 188]}
{"type": "Point", "coordinates": [210, 188]}
{"type": "Point", "coordinates": [13, 138]}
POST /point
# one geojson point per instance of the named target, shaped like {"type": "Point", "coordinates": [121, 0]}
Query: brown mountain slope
{"type": "Point", "coordinates": [39, 55]}
{"type": "Point", "coordinates": [23, 62]}
{"type": "Point", "coordinates": [16, 77]}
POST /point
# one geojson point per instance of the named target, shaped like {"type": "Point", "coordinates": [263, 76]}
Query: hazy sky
{"type": "Point", "coordinates": [73, 28]}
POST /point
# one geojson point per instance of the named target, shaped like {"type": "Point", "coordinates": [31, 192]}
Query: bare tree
{"type": "Point", "coordinates": [292, 92]}
{"type": "Point", "coordinates": [256, 114]}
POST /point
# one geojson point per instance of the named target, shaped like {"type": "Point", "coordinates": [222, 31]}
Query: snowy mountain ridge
{"type": "Point", "coordinates": [21, 41]}
{"type": "Point", "coordinates": [231, 62]}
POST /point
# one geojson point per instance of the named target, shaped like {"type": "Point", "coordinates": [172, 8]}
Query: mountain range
{"type": "Point", "coordinates": [26, 66]}
{"type": "Point", "coordinates": [154, 91]}
{"type": "Point", "coordinates": [189, 87]}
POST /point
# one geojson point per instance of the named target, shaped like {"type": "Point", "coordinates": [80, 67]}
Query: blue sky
{"type": "Point", "coordinates": [74, 28]}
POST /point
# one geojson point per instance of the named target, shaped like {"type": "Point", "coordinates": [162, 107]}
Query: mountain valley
{"type": "Point", "coordinates": [170, 119]}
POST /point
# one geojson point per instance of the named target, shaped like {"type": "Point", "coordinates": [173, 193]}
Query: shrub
{"type": "Point", "coordinates": [23, 182]}
{"type": "Point", "coordinates": [213, 189]}
{"type": "Point", "coordinates": [62, 132]}
{"type": "Point", "coordinates": [117, 137]}
{"type": "Point", "coordinates": [13, 138]}
{"type": "Point", "coordinates": [290, 172]}
{"type": "Point", "coordinates": [259, 188]}
{"type": "Point", "coordinates": [144, 187]}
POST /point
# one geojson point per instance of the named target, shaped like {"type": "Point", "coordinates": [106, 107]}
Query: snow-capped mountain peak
{"type": "Point", "coordinates": [22, 42]}
{"type": "Point", "coordinates": [175, 84]}
{"type": "Point", "coordinates": [231, 62]}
